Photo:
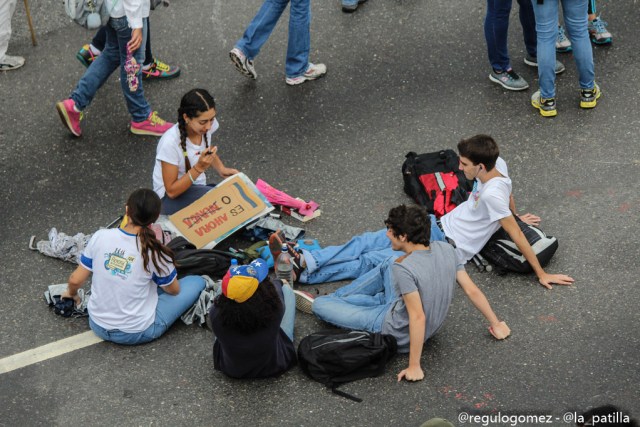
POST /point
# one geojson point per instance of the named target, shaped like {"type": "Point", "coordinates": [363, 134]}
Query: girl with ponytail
{"type": "Point", "coordinates": [184, 153]}
{"type": "Point", "coordinates": [135, 293]}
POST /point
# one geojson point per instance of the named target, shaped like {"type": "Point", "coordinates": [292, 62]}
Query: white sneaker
{"type": "Point", "coordinates": [241, 62]}
{"type": "Point", "coordinates": [314, 71]}
{"type": "Point", "coordinates": [304, 301]}
{"type": "Point", "coordinates": [11, 62]}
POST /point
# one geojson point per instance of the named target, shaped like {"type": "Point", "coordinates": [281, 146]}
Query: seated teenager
{"type": "Point", "coordinates": [135, 293]}
{"type": "Point", "coordinates": [469, 226]}
{"type": "Point", "coordinates": [184, 154]}
{"type": "Point", "coordinates": [407, 296]}
{"type": "Point", "coordinates": [252, 320]}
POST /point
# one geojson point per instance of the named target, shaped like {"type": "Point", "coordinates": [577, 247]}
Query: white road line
{"type": "Point", "coordinates": [48, 351]}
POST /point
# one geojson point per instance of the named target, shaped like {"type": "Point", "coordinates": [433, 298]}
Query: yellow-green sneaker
{"type": "Point", "coordinates": [547, 107]}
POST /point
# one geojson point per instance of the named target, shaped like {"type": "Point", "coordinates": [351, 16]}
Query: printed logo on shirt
{"type": "Point", "coordinates": [117, 264]}
{"type": "Point", "coordinates": [475, 194]}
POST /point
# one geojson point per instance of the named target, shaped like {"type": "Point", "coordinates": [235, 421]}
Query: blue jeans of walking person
{"type": "Point", "coordinates": [363, 304]}
{"type": "Point", "coordinates": [575, 20]}
{"type": "Point", "coordinates": [260, 28]}
{"type": "Point", "coordinates": [355, 258]}
{"type": "Point", "coordinates": [169, 309]}
{"type": "Point", "coordinates": [496, 28]}
{"type": "Point", "coordinates": [113, 56]}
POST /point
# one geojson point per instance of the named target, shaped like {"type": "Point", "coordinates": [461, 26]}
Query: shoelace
{"type": "Point", "coordinates": [155, 120]}
{"type": "Point", "coordinates": [561, 35]}
{"type": "Point", "coordinates": [160, 65]}
{"type": "Point", "coordinates": [513, 75]}
{"type": "Point", "coordinates": [599, 25]}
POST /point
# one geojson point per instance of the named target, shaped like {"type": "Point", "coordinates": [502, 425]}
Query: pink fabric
{"type": "Point", "coordinates": [278, 197]}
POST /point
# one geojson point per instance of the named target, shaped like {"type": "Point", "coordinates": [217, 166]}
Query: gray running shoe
{"type": "Point", "coordinates": [509, 80]}
{"type": "Point", "coordinates": [533, 62]}
{"type": "Point", "coordinates": [563, 44]}
{"type": "Point", "coordinates": [589, 97]}
{"type": "Point", "coordinates": [244, 65]}
{"type": "Point", "coordinates": [547, 107]}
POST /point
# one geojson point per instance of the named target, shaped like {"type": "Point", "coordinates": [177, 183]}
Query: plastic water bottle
{"type": "Point", "coordinates": [284, 268]}
{"type": "Point", "coordinates": [234, 263]}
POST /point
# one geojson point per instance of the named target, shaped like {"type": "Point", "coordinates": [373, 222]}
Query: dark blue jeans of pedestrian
{"type": "Point", "coordinates": [496, 28]}
{"type": "Point", "coordinates": [99, 41]}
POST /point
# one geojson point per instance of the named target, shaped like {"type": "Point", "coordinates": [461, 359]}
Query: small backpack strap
{"type": "Point", "coordinates": [334, 389]}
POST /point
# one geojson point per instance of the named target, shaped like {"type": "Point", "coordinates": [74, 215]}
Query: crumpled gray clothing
{"type": "Point", "coordinates": [57, 290]}
{"type": "Point", "coordinates": [200, 309]}
{"type": "Point", "coordinates": [60, 245]}
{"type": "Point", "coordinates": [290, 233]}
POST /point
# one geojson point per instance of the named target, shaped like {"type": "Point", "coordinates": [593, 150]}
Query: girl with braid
{"type": "Point", "coordinates": [185, 152]}
{"type": "Point", "coordinates": [135, 293]}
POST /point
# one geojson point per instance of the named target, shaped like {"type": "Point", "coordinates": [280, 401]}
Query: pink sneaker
{"type": "Point", "coordinates": [154, 126]}
{"type": "Point", "coordinates": [69, 116]}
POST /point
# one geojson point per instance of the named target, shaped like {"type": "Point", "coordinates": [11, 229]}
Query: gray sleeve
{"type": "Point", "coordinates": [403, 280]}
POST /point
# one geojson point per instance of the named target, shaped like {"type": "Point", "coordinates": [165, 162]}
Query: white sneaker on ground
{"type": "Point", "coordinates": [314, 71]}
{"type": "Point", "coordinates": [11, 62]}
{"type": "Point", "coordinates": [242, 64]}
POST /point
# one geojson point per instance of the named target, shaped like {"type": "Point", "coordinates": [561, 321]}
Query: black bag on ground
{"type": "Point", "coordinates": [191, 261]}
{"type": "Point", "coordinates": [503, 253]}
{"type": "Point", "coordinates": [435, 181]}
{"type": "Point", "coordinates": [335, 357]}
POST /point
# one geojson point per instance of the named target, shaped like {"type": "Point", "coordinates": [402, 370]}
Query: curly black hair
{"type": "Point", "coordinates": [412, 221]}
{"type": "Point", "coordinates": [254, 314]}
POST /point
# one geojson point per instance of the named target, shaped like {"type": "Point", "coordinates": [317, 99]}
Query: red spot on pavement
{"type": "Point", "coordinates": [574, 193]}
{"type": "Point", "coordinates": [480, 405]}
{"type": "Point", "coordinates": [488, 396]}
{"type": "Point", "coordinates": [624, 207]}
{"type": "Point", "coordinates": [459, 395]}
{"type": "Point", "coordinates": [547, 318]}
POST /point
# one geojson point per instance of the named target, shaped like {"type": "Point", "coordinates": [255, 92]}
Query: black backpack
{"type": "Point", "coordinates": [503, 253]}
{"type": "Point", "coordinates": [192, 261]}
{"type": "Point", "coordinates": [335, 357]}
{"type": "Point", "coordinates": [435, 181]}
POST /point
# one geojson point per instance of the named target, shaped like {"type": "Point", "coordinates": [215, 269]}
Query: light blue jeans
{"type": "Point", "coordinates": [289, 318]}
{"type": "Point", "coordinates": [113, 56]}
{"type": "Point", "coordinates": [355, 258]}
{"type": "Point", "coordinates": [169, 309]}
{"type": "Point", "coordinates": [575, 21]}
{"type": "Point", "coordinates": [260, 28]}
{"type": "Point", "coordinates": [364, 303]}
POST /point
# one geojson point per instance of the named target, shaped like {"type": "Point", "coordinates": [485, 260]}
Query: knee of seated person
{"type": "Point", "coordinates": [197, 281]}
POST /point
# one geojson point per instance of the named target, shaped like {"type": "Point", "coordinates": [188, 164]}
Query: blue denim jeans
{"type": "Point", "coordinates": [362, 304]}
{"type": "Point", "coordinates": [260, 28]}
{"type": "Point", "coordinates": [100, 40]}
{"type": "Point", "coordinates": [575, 21]}
{"type": "Point", "coordinates": [355, 258]}
{"type": "Point", "coordinates": [496, 27]}
{"type": "Point", "coordinates": [169, 309]}
{"type": "Point", "coordinates": [193, 193]}
{"type": "Point", "coordinates": [113, 56]}
{"type": "Point", "coordinates": [289, 318]}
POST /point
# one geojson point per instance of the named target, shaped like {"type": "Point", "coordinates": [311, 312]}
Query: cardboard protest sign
{"type": "Point", "coordinates": [229, 206]}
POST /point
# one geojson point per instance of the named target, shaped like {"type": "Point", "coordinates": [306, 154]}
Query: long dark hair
{"type": "Point", "coordinates": [143, 208]}
{"type": "Point", "coordinates": [254, 314]}
{"type": "Point", "coordinates": [193, 103]}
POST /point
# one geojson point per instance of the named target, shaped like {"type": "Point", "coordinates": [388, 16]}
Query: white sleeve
{"type": "Point", "coordinates": [135, 12]}
{"type": "Point", "coordinates": [169, 150]}
{"type": "Point", "coordinates": [497, 201]}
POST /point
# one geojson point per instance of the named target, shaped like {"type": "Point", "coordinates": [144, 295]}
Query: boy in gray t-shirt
{"type": "Point", "coordinates": [406, 296]}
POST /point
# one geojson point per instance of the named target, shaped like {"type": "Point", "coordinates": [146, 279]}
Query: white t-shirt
{"type": "Point", "coordinates": [170, 151]}
{"type": "Point", "coordinates": [472, 223]}
{"type": "Point", "coordinates": [124, 295]}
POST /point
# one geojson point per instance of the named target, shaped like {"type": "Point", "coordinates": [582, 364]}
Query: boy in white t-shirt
{"type": "Point", "coordinates": [489, 207]}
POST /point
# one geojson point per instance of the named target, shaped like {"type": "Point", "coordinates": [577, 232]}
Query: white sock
{"type": "Point", "coordinates": [94, 50]}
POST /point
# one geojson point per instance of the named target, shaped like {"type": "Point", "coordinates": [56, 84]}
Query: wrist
{"type": "Point", "coordinates": [196, 169]}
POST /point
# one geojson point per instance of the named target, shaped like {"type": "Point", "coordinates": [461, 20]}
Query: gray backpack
{"type": "Point", "coordinates": [91, 14]}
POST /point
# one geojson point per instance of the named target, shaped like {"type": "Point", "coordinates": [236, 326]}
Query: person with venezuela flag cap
{"type": "Point", "coordinates": [252, 320]}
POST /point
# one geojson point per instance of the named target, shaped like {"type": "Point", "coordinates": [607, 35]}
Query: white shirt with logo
{"type": "Point", "coordinates": [124, 295]}
{"type": "Point", "coordinates": [471, 224]}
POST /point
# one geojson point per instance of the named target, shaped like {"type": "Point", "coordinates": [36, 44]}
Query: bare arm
{"type": "Point", "coordinates": [76, 280]}
{"type": "Point", "coordinates": [530, 219]}
{"type": "Point", "coordinates": [511, 227]}
{"type": "Point", "coordinates": [417, 329]}
{"type": "Point", "coordinates": [172, 288]}
{"type": "Point", "coordinates": [498, 329]}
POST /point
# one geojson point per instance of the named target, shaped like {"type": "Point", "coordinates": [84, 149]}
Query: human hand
{"type": "Point", "coordinates": [411, 374]}
{"type": "Point", "coordinates": [547, 279]}
{"type": "Point", "coordinates": [206, 158]}
{"type": "Point", "coordinates": [227, 172]}
{"type": "Point", "coordinates": [530, 219]}
{"type": "Point", "coordinates": [76, 298]}
{"type": "Point", "coordinates": [136, 40]}
{"type": "Point", "coordinates": [500, 330]}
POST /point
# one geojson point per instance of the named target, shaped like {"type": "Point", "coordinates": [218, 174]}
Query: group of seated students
{"type": "Point", "coordinates": [402, 276]}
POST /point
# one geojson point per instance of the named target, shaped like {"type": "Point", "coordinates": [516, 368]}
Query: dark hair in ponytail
{"type": "Point", "coordinates": [193, 103]}
{"type": "Point", "coordinates": [143, 208]}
